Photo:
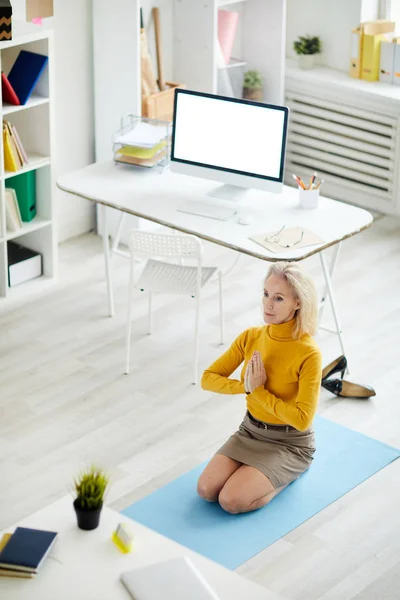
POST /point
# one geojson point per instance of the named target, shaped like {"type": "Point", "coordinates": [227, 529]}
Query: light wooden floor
{"type": "Point", "coordinates": [64, 403]}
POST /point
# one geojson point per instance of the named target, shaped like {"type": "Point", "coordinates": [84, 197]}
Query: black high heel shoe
{"type": "Point", "coordinates": [346, 389]}
{"type": "Point", "coordinates": [339, 364]}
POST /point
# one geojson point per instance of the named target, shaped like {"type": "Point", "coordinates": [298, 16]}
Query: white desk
{"type": "Point", "coordinates": [156, 196]}
{"type": "Point", "coordinates": [86, 565]}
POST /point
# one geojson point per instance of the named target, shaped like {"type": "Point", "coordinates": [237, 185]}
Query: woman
{"type": "Point", "coordinates": [281, 377]}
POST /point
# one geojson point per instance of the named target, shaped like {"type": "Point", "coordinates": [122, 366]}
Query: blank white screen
{"type": "Point", "coordinates": [231, 135]}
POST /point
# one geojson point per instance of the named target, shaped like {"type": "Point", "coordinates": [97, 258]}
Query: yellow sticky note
{"type": "Point", "coordinates": [123, 538]}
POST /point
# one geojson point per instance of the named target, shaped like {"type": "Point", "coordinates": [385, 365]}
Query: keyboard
{"type": "Point", "coordinates": [207, 210]}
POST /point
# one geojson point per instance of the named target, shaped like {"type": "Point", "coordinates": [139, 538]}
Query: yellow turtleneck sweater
{"type": "Point", "coordinates": [293, 367]}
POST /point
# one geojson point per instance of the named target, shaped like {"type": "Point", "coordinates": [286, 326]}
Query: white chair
{"type": "Point", "coordinates": [169, 277]}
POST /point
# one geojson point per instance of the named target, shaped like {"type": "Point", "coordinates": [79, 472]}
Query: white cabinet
{"type": "Point", "coordinates": [261, 43]}
{"type": "Point", "coordinates": [34, 123]}
{"type": "Point", "coordinates": [348, 131]}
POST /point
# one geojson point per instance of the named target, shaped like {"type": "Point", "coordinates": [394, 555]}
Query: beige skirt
{"type": "Point", "coordinates": [282, 455]}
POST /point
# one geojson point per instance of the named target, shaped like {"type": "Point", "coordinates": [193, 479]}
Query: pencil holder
{"type": "Point", "coordinates": [308, 198]}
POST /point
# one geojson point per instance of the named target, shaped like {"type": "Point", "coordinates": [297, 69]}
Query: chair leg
{"type": "Point", "coordinates": [129, 318]}
{"type": "Point", "coordinates": [150, 320]}
{"type": "Point", "coordinates": [221, 307]}
{"type": "Point", "coordinates": [196, 339]}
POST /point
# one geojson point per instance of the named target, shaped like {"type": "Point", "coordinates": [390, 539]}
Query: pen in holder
{"type": "Point", "coordinates": [308, 199]}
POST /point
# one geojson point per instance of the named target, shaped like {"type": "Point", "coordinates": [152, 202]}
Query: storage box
{"type": "Point", "coordinates": [160, 105]}
{"type": "Point", "coordinates": [24, 185]}
{"type": "Point", "coordinates": [386, 66]}
{"type": "Point", "coordinates": [23, 264]}
{"type": "Point", "coordinates": [396, 67]}
{"type": "Point", "coordinates": [5, 20]}
{"type": "Point", "coordinates": [38, 8]}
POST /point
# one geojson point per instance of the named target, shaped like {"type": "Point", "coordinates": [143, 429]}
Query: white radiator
{"type": "Point", "coordinates": [352, 149]}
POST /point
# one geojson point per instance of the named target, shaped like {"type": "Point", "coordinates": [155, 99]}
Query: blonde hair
{"type": "Point", "coordinates": [304, 290]}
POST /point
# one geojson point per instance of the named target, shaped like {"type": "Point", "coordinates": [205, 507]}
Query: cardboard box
{"type": "Point", "coordinates": [39, 8]}
{"type": "Point", "coordinates": [23, 264]}
{"type": "Point", "coordinates": [161, 105]}
{"type": "Point", "coordinates": [379, 26]}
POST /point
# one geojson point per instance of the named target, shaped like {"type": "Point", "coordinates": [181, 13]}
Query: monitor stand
{"type": "Point", "coordinates": [234, 193]}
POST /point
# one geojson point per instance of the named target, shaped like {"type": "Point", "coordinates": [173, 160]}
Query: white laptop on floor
{"type": "Point", "coordinates": [175, 579]}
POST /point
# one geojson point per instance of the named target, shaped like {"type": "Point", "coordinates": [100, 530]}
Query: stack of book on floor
{"type": "Point", "coordinates": [23, 552]}
{"type": "Point", "coordinates": [15, 156]}
{"type": "Point", "coordinates": [146, 145]}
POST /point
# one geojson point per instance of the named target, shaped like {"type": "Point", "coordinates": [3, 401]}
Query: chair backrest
{"type": "Point", "coordinates": [151, 244]}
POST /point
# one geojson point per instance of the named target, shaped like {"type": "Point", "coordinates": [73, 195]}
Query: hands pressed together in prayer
{"type": "Point", "coordinates": [255, 374]}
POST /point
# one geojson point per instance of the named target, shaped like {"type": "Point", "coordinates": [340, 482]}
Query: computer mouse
{"type": "Point", "coordinates": [244, 219]}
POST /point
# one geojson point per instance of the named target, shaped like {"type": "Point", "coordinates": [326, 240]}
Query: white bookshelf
{"type": "Point", "coordinates": [222, 3]}
{"type": "Point", "coordinates": [259, 43]}
{"type": "Point", "coordinates": [34, 123]}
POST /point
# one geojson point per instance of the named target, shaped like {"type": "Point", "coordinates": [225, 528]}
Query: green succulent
{"type": "Point", "coordinates": [90, 488]}
{"type": "Point", "coordinates": [252, 80]}
{"type": "Point", "coordinates": [307, 44]}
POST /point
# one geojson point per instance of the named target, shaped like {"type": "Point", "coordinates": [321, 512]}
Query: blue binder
{"type": "Point", "coordinates": [25, 73]}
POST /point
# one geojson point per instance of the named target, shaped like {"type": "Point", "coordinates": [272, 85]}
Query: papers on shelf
{"type": "Point", "coordinates": [144, 135]}
{"type": "Point", "coordinates": [294, 237]}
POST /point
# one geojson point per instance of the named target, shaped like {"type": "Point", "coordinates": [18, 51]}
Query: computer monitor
{"type": "Point", "coordinates": [238, 142]}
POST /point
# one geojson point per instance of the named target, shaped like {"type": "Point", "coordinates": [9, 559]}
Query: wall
{"type": "Point", "coordinates": [74, 130]}
{"type": "Point", "coordinates": [332, 21]}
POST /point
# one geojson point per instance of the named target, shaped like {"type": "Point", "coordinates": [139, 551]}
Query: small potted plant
{"type": "Point", "coordinates": [252, 86]}
{"type": "Point", "coordinates": [90, 488]}
{"type": "Point", "coordinates": [306, 47]}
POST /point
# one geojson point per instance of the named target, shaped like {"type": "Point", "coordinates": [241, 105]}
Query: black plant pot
{"type": "Point", "coordinates": [87, 519]}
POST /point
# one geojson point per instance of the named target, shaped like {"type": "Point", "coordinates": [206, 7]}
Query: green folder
{"type": "Point", "coordinates": [25, 188]}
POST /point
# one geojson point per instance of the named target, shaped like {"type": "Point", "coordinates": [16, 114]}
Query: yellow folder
{"type": "Point", "coordinates": [10, 161]}
{"type": "Point", "coordinates": [371, 54]}
{"type": "Point", "coordinates": [140, 152]}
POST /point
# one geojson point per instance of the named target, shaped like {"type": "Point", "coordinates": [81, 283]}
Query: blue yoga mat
{"type": "Point", "coordinates": [344, 459]}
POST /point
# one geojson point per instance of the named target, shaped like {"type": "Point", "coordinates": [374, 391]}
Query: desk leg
{"type": "Point", "coordinates": [233, 265]}
{"type": "Point", "coordinates": [332, 267]}
{"type": "Point", "coordinates": [331, 295]}
{"type": "Point", "coordinates": [106, 252]}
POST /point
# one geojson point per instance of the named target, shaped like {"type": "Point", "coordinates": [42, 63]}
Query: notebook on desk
{"type": "Point", "coordinates": [176, 579]}
{"type": "Point", "coordinates": [26, 549]}
{"type": "Point", "coordinates": [287, 239]}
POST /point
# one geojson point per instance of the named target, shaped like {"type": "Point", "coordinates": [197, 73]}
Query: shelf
{"type": "Point", "coordinates": [34, 100]}
{"type": "Point", "coordinates": [35, 162]}
{"type": "Point", "coordinates": [228, 2]}
{"type": "Point", "coordinates": [34, 225]}
{"type": "Point", "coordinates": [35, 127]}
{"type": "Point", "coordinates": [26, 33]}
{"type": "Point", "coordinates": [324, 76]}
{"type": "Point", "coordinates": [234, 62]}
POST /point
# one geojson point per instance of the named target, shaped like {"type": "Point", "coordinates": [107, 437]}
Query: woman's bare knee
{"type": "Point", "coordinates": [214, 477]}
{"type": "Point", "coordinates": [234, 503]}
{"type": "Point", "coordinates": [207, 490]}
